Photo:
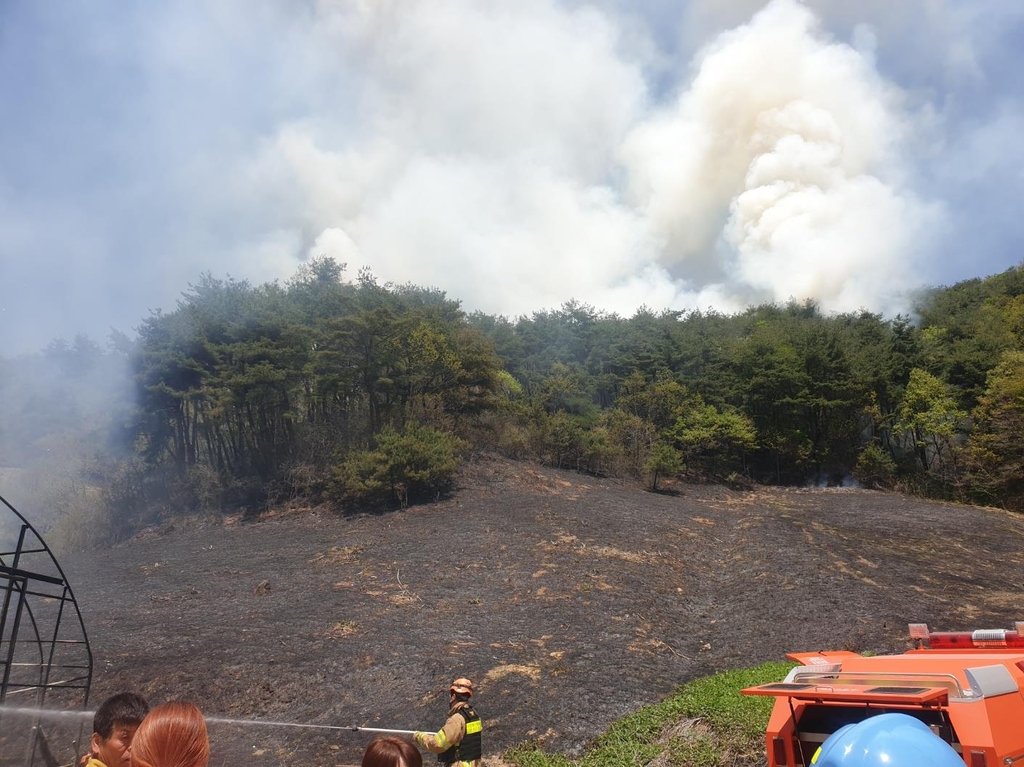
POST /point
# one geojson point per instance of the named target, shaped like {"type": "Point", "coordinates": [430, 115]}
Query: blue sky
{"type": "Point", "coordinates": [674, 154]}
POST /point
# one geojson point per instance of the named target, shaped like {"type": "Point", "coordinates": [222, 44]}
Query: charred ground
{"type": "Point", "coordinates": [570, 600]}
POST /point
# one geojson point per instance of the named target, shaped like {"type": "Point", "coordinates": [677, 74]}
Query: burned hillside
{"type": "Point", "coordinates": [570, 600]}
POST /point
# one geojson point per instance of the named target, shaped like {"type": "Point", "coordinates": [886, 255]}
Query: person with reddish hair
{"type": "Point", "coordinates": [391, 752]}
{"type": "Point", "coordinates": [172, 735]}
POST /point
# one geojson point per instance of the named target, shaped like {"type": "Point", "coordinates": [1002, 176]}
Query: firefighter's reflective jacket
{"type": "Point", "coordinates": [459, 742]}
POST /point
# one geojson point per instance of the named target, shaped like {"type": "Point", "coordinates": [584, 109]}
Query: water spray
{"type": "Point", "coordinates": [46, 713]}
{"type": "Point", "coordinates": [43, 713]}
{"type": "Point", "coordinates": [352, 728]}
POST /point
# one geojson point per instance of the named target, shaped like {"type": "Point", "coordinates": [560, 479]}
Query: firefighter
{"type": "Point", "coordinates": [458, 742]}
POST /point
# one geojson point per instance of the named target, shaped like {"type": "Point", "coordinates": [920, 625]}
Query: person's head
{"type": "Point", "coordinates": [172, 735]}
{"type": "Point", "coordinates": [460, 690]}
{"type": "Point", "coordinates": [114, 726]}
{"type": "Point", "coordinates": [392, 752]}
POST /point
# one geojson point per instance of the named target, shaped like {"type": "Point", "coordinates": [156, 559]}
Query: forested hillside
{"type": "Point", "coordinates": [344, 391]}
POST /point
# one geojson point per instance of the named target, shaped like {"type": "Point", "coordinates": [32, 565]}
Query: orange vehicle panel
{"type": "Point", "coordinates": [919, 696]}
{"type": "Point", "coordinates": [981, 713]}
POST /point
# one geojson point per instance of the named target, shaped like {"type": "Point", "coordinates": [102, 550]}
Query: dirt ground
{"type": "Point", "coordinates": [570, 601]}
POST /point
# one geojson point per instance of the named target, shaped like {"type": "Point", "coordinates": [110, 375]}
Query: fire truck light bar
{"type": "Point", "coordinates": [965, 640]}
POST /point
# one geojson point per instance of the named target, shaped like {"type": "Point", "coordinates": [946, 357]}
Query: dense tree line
{"type": "Point", "coordinates": [290, 390]}
{"type": "Point", "coordinates": [785, 394]}
{"type": "Point", "coordinates": [357, 393]}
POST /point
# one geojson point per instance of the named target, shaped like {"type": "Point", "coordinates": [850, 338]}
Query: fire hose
{"type": "Point", "coordinates": [356, 728]}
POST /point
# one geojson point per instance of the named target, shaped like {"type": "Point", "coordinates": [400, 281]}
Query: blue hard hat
{"type": "Point", "coordinates": [886, 740]}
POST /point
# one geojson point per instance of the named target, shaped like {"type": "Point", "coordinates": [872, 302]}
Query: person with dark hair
{"type": "Point", "coordinates": [172, 735]}
{"type": "Point", "coordinates": [113, 727]}
{"type": "Point", "coordinates": [459, 741]}
{"type": "Point", "coordinates": [391, 752]}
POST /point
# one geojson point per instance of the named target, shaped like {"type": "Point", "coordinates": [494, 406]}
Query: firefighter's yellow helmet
{"type": "Point", "coordinates": [461, 686]}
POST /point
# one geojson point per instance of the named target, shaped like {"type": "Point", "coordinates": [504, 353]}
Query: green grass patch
{"type": "Point", "coordinates": [704, 723]}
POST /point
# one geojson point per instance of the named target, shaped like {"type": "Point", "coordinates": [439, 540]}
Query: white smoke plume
{"type": "Point", "coordinates": [777, 173]}
{"type": "Point", "coordinates": [513, 160]}
{"type": "Point", "coordinates": [481, 161]}
{"type": "Point", "coordinates": [711, 153]}
{"type": "Point", "coordinates": [514, 155]}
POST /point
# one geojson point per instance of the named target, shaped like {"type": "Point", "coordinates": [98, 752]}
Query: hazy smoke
{"type": "Point", "coordinates": [480, 161]}
{"type": "Point", "coordinates": [490, 167]}
{"type": "Point", "coordinates": [515, 155]}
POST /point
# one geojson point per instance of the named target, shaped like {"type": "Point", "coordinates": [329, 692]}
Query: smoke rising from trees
{"type": "Point", "coordinates": [674, 155]}
{"type": "Point", "coordinates": [776, 172]}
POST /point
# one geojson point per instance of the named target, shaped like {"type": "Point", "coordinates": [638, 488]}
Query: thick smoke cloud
{"type": "Point", "coordinates": [777, 173]}
{"type": "Point", "coordinates": [518, 168]}
{"type": "Point", "coordinates": [484, 165]}
{"type": "Point", "coordinates": [711, 153]}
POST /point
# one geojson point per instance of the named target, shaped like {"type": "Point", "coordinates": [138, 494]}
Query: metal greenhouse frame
{"type": "Point", "coordinates": [45, 659]}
